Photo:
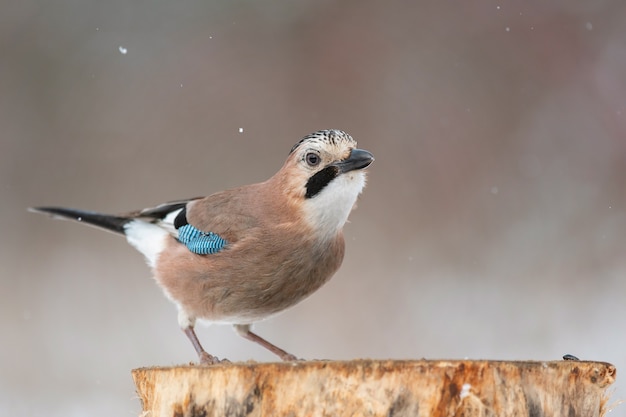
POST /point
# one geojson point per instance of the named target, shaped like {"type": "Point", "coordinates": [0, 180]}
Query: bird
{"type": "Point", "coordinates": [243, 255]}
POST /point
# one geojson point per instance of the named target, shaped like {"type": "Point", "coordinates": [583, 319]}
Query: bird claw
{"type": "Point", "coordinates": [208, 359]}
{"type": "Point", "coordinates": [288, 357]}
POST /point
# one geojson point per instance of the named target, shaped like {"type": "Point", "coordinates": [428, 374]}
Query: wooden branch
{"type": "Point", "coordinates": [377, 388]}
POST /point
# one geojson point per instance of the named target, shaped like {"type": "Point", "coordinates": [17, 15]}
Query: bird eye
{"type": "Point", "coordinates": [312, 159]}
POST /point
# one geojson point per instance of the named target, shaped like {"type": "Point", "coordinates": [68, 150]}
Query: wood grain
{"type": "Point", "coordinates": [377, 388]}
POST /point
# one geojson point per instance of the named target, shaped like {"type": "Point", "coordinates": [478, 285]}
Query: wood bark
{"type": "Point", "coordinates": [389, 388]}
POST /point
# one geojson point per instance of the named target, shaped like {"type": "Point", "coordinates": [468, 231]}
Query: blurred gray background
{"type": "Point", "coordinates": [494, 221]}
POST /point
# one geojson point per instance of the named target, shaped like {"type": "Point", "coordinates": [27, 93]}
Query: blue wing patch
{"type": "Point", "coordinates": [197, 241]}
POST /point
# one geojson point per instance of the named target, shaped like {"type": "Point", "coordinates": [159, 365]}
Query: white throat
{"type": "Point", "coordinates": [328, 211]}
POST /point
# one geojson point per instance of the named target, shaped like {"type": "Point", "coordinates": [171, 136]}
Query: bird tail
{"type": "Point", "coordinates": [107, 222]}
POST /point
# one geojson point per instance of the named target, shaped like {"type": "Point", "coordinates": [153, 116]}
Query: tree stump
{"type": "Point", "coordinates": [377, 388]}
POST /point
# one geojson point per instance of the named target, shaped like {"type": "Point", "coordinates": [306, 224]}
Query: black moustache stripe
{"type": "Point", "coordinates": [319, 180]}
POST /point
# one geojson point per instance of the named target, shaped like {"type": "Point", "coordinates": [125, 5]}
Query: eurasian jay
{"type": "Point", "coordinates": [243, 255]}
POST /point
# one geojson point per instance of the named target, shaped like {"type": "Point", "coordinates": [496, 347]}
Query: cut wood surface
{"type": "Point", "coordinates": [377, 388]}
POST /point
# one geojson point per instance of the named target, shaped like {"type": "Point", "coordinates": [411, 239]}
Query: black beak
{"type": "Point", "coordinates": [358, 159]}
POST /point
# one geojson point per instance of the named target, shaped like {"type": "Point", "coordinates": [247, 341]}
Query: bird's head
{"type": "Point", "coordinates": [323, 176]}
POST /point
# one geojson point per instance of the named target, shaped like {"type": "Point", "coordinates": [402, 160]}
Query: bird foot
{"type": "Point", "coordinates": [288, 357]}
{"type": "Point", "coordinates": [208, 359]}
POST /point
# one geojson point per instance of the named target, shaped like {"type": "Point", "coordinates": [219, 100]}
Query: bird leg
{"type": "Point", "coordinates": [205, 357]}
{"type": "Point", "coordinates": [244, 331]}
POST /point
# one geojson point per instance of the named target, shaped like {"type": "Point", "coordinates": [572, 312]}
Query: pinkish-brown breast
{"type": "Point", "coordinates": [267, 271]}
